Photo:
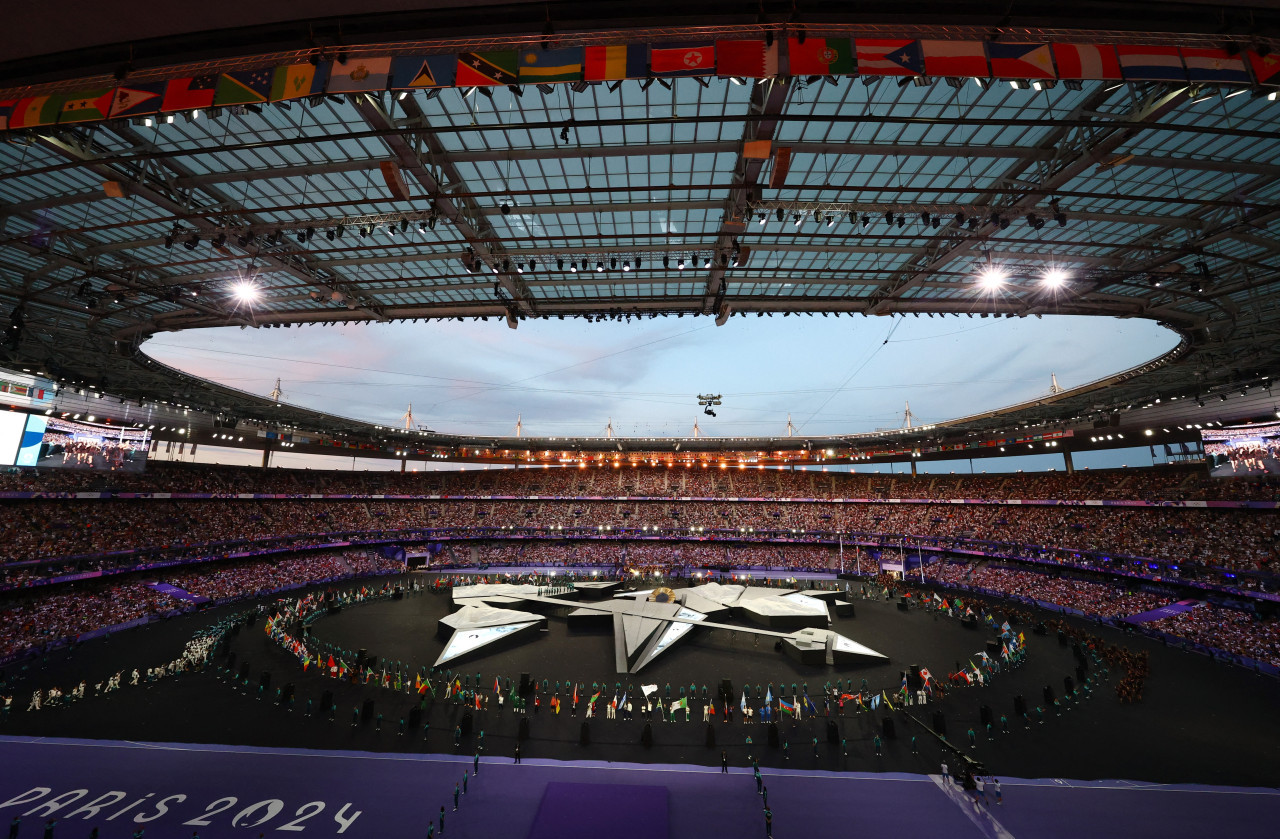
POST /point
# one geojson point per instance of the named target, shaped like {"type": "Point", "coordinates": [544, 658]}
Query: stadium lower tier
{"type": "Point", "coordinates": [106, 533]}
{"type": "Point", "coordinates": [42, 617]}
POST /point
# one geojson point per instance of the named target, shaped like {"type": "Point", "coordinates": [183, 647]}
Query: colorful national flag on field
{"type": "Point", "coordinates": [575, 693]}
{"type": "Point", "coordinates": [245, 87]}
{"type": "Point", "coordinates": [497, 687]}
{"type": "Point", "coordinates": [623, 61]}
{"type": "Point", "coordinates": [748, 59]}
{"type": "Point", "coordinates": [84, 105]}
{"type": "Point", "coordinates": [1022, 639]}
{"type": "Point", "coordinates": [809, 706]}
{"type": "Point", "coordinates": [487, 69]}
{"type": "Point", "coordinates": [34, 111]}
{"type": "Point", "coordinates": [293, 81]}
{"type": "Point", "coordinates": [889, 57]}
{"type": "Point", "coordinates": [743, 704]}
{"type": "Point", "coordinates": [925, 674]}
{"type": "Point", "coordinates": [886, 701]}
{"type": "Point", "coordinates": [356, 75]}
{"type": "Point", "coordinates": [1266, 68]}
{"type": "Point", "coordinates": [137, 99]}
{"type": "Point", "coordinates": [698, 59]}
{"type": "Point", "coordinates": [539, 66]}
{"type": "Point", "coordinates": [820, 57]}
{"type": "Point", "coordinates": [768, 696]}
{"type": "Point", "coordinates": [1150, 63]}
{"type": "Point", "coordinates": [874, 703]}
{"type": "Point", "coordinates": [681, 704]}
{"type": "Point", "coordinates": [1087, 61]}
{"type": "Point", "coordinates": [189, 94]}
{"type": "Point", "coordinates": [1020, 61]}
{"type": "Point", "coordinates": [1214, 65]}
{"type": "Point", "coordinates": [954, 58]}
{"type": "Point", "coordinates": [413, 72]}
{"type": "Point", "coordinates": [786, 707]}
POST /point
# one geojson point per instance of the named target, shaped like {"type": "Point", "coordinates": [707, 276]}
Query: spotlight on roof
{"type": "Point", "coordinates": [992, 278]}
{"type": "Point", "coordinates": [245, 292]}
{"type": "Point", "coordinates": [1054, 278]}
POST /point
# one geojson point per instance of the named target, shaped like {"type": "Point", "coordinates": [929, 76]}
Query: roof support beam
{"type": "Point", "coordinates": [768, 99]}
{"type": "Point", "coordinates": [1076, 154]}
{"type": "Point", "coordinates": [463, 213]}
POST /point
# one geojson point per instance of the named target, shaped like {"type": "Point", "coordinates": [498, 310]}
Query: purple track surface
{"type": "Point", "coordinates": [588, 811]}
{"type": "Point", "coordinates": [1163, 611]}
{"type": "Point", "coordinates": [171, 790]}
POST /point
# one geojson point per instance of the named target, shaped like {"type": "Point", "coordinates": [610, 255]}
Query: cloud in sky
{"type": "Point", "coordinates": [832, 375]}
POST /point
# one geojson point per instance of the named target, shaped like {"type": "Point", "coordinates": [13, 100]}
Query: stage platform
{"type": "Point", "coordinates": [223, 792]}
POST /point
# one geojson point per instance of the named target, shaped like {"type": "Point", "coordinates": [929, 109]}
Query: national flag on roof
{"type": "Point", "coordinates": [413, 72]}
{"type": "Point", "coordinates": [1020, 61]}
{"type": "Point", "coordinates": [487, 69]}
{"type": "Point", "coordinates": [820, 57]}
{"type": "Point", "coordinates": [748, 59]}
{"type": "Point", "coordinates": [612, 63]}
{"type": "Point", "coordinates": [137, 99]}
{"type": "Point", "coordinates": [6, 108]}
{"type": "Point", "coordinates": [84, 105]}
{"type": "Point", "coordinates": [1087, 61]}
{"type": "Point", "coordinates": [954, 58]}
{"type": "Point", "coordinates": [1214, 65]}
{"type": "Point", "coordinates": [359, 74]}
{"type": "Point", "coordinates": [892, 57]}
{"type": "Point", "coordinates": [1150, 63]}
{"type": "Point", "coordinates": [1266, 68]}
{"type": "Point", "coordinates": [697, 59]}
{"type": "Point", "coordinates": [539, 66]}
{"type": "Point", "coordinates": [35, 110]}
{"type": "Point", "coordinates": [293, 81]}
{"type": "Point", "coordinates": [245, 87]}
{"type": "Point", "coordinates": [189, 94]}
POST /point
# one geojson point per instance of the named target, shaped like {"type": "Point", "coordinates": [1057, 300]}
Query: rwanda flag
{"type": "Point", "coordinates": [487, 69]}
{"type": "Point", "coordinates": [538, 66]}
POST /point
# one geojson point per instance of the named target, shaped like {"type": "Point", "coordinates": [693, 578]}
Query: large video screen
{"type": "Point", "coordinates": [64, 444]}
{"type": "Point", "coordinates": [1243, 450]}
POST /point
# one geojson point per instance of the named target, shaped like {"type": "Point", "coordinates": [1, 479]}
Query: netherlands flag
{"type": "Point", "coordinates": [1162, 64]}
{"type": "Point", "coordinates": [1210, 65]}
{"type": "Point", "coordinates": [954, 58]}
{"type": "Point", "coordinates": [1086, 61]}
{"type": "Point", "coordinates": [879, 57]}
{"type": "Point", "coordinates": [1020, 61]}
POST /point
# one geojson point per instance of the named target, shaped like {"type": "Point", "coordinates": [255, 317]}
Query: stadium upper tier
{"type": "Point", "coordinates": [611, 162]}
{"type": "Point", "coordinates": [1170, 483]}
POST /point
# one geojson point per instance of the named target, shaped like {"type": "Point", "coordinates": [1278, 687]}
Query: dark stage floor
{"type": "Point", "coordinates": [1199, 722]}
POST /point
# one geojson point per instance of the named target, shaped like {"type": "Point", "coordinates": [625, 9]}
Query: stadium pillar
{"type": "Point", "coordinates": [404, 461]}
{"type": "Point", "coordinates": [266, 454]}
{"type": "Point", "coordinates": [913, 468]}
{"type": "Point", "coordinates": [1066, 459]}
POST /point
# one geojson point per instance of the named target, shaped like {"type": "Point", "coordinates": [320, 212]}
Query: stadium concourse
{"type": "Point", "coordinates": [541, 637]}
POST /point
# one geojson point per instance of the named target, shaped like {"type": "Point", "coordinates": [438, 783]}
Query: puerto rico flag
{"type": "Point", "coordinates": [1086, 61]}
{"type": "Point", "coordinates": [1021, 61]}
{"type": "Point", "coordinates": [880, 57]}
{"type": "Point", "coordinates": [1210, 65]}
{"type": "Point", "coordinates": [954, 58]}
{"type": "Point", "coordinates": [1151, 63]}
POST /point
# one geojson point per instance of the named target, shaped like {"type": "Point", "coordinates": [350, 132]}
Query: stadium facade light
{"type": "Point", "coordinates": [1054, 277]}
{"type": "Point", "coordinates": [992, 277]}
{"type": "Point", "coordinates": [246, 292]}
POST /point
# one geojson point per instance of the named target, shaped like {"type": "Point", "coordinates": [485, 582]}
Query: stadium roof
{"type": "Point", "coordinates": [947, 191]}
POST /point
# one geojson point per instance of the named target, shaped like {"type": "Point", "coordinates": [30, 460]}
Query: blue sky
{"type": "Point", "coordinates": [832, 375]}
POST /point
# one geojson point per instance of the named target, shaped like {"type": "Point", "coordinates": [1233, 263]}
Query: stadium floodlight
{"type": "Point", "coordinates": [992, 278]}
{"type": "Point", "coordinates": [1054, 277]}
{"type": "Point", "coordinates": [246, 292]}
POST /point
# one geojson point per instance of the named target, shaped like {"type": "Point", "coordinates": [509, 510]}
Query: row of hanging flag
{"type": "Point", "coordinates": [748, 59]}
